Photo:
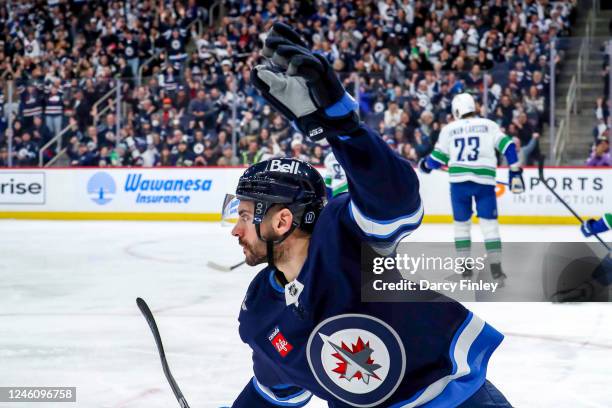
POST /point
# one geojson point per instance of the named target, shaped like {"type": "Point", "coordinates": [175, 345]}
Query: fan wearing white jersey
{"type": "Point", "coordinates": [467, 146]}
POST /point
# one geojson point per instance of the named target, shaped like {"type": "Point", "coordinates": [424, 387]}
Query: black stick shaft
{"type": "Point", "coordinates": [561, 200]}
{"type": "Point", "coordinates": [237, 265]}
{"type": "Point", "coordinates": [148, 315]}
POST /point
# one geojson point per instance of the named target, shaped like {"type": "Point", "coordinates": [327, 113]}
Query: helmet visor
{"type": "Point", "coordinates": [229, 211]}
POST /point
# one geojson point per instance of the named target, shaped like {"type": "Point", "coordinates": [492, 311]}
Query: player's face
{"type": "Point", "coordinates": [254, 249]}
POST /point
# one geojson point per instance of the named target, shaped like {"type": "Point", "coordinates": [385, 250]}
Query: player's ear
{"type": "Point", "coordinates": [282, 221]}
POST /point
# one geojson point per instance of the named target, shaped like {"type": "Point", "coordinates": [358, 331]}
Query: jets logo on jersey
{"type": "Point", "coordinates": [357, 358]}
{"type": "Point", "coordinates": [354, 362]}
{"type": "Point", "coordinates": [279, 342]}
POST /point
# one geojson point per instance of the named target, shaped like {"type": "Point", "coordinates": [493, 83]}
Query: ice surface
{"type": "Point", "coordinates": [68, 318]}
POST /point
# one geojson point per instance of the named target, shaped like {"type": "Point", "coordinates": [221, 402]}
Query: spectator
{"type": "Point", "coordinates": [253, 154]}
{"type": "Point", "coordinates": [85, 155]}
{"type": "Point", "coordinates": [534, 104]}
{"type": "Point", "coordinates": [4, 157]}
{"type": "Point", "coordinates": [317, 156]}
{"type": "Point", "coordinates": [39, 131]}
{"type": "Point", "coordinates": [165, 159]}
{"type": "Point", "coordinates": [297, 150]}
{"type": "Point", "coordinates": [393, 115]}
{"type": "Point", "coordinates": [150, 156]}
{"type": "Point", "coordinates": [228, 158]}
{"type": "Point", "coordinates": [504, 113]}
{"type": "Point", "coordinates": [183, 156]}
{"type": "Point", "coordinates": [422, 144]}
{"type": "Point", "coordinates": [31, 105]}
{"type": "Point", "coordinates": [27, 150]}
{"type": "Point", "coordinates": [600, 157]}
{"type": "Point", "coordinates": [198, 107]}
{"type": "Point", "coordinates": [525, 151]}
{"type": "Point", "coordinates": [131, 51]}
{"type": "Point", "coordinates": [409, 153]}
{"type": "Point", "coordinates": [249, 125]}
{"type": "Point", "coordinates": [526, 132]}
{"type": "Point", "coordinates": [82, 108]}
{"type": "Point", "coordinates": [54, 111]}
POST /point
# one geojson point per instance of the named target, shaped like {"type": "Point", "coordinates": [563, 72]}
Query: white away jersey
{"type": "Point", "coordinates": [335, 177]}
{"type": "Point", "coordinates": [467, 147]}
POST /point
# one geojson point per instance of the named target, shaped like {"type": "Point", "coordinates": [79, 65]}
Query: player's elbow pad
{"type": "Point", "coordinates": [433, 164]}
{"type": "Point", "coordinates": [511, 156]}
{"type": "Point", "coordinates": [257, 395]}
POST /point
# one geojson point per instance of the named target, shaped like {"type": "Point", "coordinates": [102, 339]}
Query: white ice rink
{"type": "Point", "coordinates": [68, 318]}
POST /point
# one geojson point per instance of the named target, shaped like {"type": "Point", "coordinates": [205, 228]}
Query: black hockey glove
{"type": "Point", "coordinates": [281, 34]}
{"type": "Point", "coordinates": [305, 89]}
{"type": "Point", "coordinates": [423, 165]}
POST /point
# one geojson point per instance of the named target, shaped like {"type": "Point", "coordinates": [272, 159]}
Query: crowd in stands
{"type": "Point", "coordinates": [600, 145]}
{"type": "Point", "coordinates": [403, 60]}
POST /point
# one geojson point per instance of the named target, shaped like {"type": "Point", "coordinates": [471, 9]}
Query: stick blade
{"type": "Point", "coordinates": [142, 305]}
{"type": "Point", "coordinates": [146, 312]}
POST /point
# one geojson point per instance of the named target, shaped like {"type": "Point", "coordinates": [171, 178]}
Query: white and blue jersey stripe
{"type": "Point", "coordinates": [296, 397]}
{"type": "Point", "coordinates": [473, 343]}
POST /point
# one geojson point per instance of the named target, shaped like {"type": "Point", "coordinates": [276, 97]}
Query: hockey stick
{"type": "Point", "coordinates": [561, 200]}
{"type": "Point", "coordinates": [146, 312]}
{"type": "Point", "coordinates": [224, 268]}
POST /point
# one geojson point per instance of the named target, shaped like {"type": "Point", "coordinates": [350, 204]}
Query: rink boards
{"type": "Point", "coordinates": [196, 194]}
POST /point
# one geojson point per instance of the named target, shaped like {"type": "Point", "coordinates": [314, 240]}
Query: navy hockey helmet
{"type": "Point", "coordinates": [291, 183]}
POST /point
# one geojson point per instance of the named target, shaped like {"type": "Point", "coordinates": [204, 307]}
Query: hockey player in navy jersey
{"type": "Point", "coordinates": [302, 315]}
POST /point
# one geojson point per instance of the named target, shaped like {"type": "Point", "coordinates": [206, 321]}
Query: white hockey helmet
{"type": "Point", "coordinates": [462, 105]}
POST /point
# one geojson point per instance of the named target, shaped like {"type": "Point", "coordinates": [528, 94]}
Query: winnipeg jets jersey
{"type": "Point", "coordinates": [316, 337]}
{"type": "Point", "coordinates": [335, 177]}
{"type": "Point", "coordinates": [467, 147]}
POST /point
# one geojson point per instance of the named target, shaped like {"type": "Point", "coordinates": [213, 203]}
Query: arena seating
{"type": "Point", "coordinates": [402, 60]}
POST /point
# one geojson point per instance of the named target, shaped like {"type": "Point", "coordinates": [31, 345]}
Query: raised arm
{"type": "Point", "coordinates": [384, 189]}
{"type": "Point", "coordinates": [304, 87]}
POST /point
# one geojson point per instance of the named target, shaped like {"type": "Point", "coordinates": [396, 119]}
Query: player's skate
{"type": "Point", "coordinates": [468, 273]}
{"type": "Point", "coordinates": [498, 274]}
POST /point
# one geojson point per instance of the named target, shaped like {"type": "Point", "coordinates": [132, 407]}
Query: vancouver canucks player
{"type": "Point", "coordinates": [335, 177]}
{"type": "Point", "coordinates": [467, 146]}
{"type": "Point", "coordinates": [302, 315]}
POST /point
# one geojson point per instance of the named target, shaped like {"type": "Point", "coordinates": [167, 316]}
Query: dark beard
{"type": "Point", "coordinates": [253, 259]}
{"type": "Point", "coordinates": [251, 256]}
